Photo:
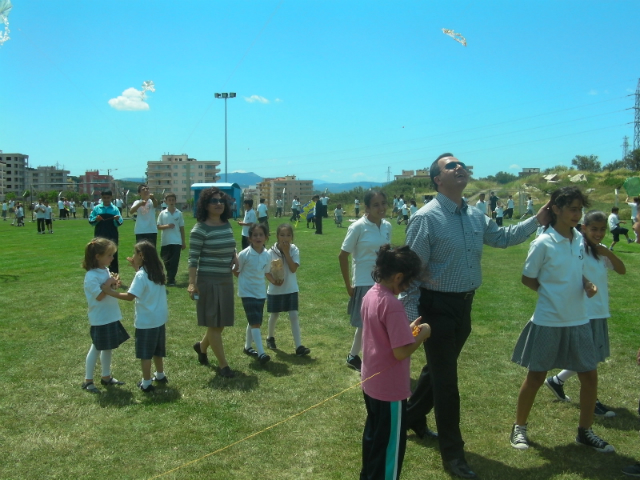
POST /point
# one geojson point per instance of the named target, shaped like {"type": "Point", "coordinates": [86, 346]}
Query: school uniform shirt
{"type": "Point", "coordinates": [384, 327]}
{"type": "Point", "coordinates": [482, 206]}
{"type": "Point", "coordinates": [404, 209]}
{"type": "Point", "coordinates": [60, 205]}
{"type": "Point", "coordinates": [294, 205]}
{"type": "Point", "coordinates": [151, 301]}
{"type": "Point", "coordinates": [529, 204]}
{"type": "Point", "coordinates": [47, 212]}
{"type": "Point", "coordinates": [613, 221]}
{"type": "Point", "coordinates": [363, 240]}
{"type": "Point", "coordinates": [413, 209]}
{"type": "Point", "coordinates": [171, 236]}
{"type": "Point", "coordinates": [290, 284]}
{"type": "Point", "coordinates": [20, 212]}
{"type": "Point", "coordinates": [262, 210]}
{"type": "Point", "coordinates": [499, 212]}
{"type": "Point", "coordinates": [279, 203]}
{"type": "Point", "coordinates": [596, 272]}
{"type": "Point", "coordinates": [558, 264]}
{"type": "Point", "coordinates": [249, 217]}
{"type": "Point", "coordinates": [40, 210]}
{"type": "Point", "coordinates": [634, 210]}
{"type": "Point", "coordinates": [105, 311]}
{"type": "Point", "coordinates": [252, 267]}
{"type": "Point", "coordinates": [510, 203]}
{"type": "Point", "coordinates": [146, 220]}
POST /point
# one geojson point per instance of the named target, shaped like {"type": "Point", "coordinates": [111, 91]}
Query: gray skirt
{"type": "Point", "coordinates": [600, 329]}
{"type": "Point", "coordinates": [215, 305]}
{"type": "Point", "coordinates": [541, 349]}
{"type": "Point", "coordinates": [355, 303]}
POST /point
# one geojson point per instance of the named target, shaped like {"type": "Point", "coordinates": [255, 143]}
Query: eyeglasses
{"type": "Point", "coordinates": [216, 201]}
{"type": "Point", "coordinates": [454, 165]}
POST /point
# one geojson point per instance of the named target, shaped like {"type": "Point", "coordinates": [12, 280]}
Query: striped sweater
{"type": "Point", "coordinates": [211, 249]}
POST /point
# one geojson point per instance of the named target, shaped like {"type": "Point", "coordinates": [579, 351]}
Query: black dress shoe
{"type": "Point", "coordinates": [459, 468]}
{"type": "Point", "coordinates": [423, 431]}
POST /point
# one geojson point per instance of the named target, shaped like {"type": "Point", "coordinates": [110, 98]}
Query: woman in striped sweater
{"type": "Point", "coordinates": [212, 254]}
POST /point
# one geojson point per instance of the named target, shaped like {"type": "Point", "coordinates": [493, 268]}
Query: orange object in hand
{"type": "Point", "coordinates": [416, 331]}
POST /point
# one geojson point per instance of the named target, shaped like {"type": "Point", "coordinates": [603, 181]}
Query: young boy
{"type": "Point", "coordinates": [337, 214]}
{"type": "Point", "coordinates": [263, 214]}
{"type": "Point", "coordinates": [481, 204]}
{"type": "Point", "coordinates": [249, 218]}
{"type": "Point", "coordinates": [499, 213]}
{"type": "Point", "coordinates": [510, 205]}
{"type": "Point", "coordinates": [106, 219]}
{"type": "Point", "coordinates": [5, 208]}
{"type": "Point", "coordinates": [48, 215]}
{"type": "Point", "coordinates": [171, 224]}
{"type": "Point", "coordinates": [615, 228]}
{"type": "Point", "coordinates": [145, 228]}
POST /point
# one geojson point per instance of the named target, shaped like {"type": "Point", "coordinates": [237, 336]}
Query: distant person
{"type": "Point", "coordinates": [413, 208]}
{"type": "Point", "coordinates": [498, 214]}
{"type": "Point", "coordinates": [529, 210]}
{"type": "Point", "coordinates": [72, 208]}
{"type": "Point", "coordinates": [106, 219]}
{"type": "Point", "coordinates": [481, 204]}
{"type": "Point", "coordinates": [635, 225]}
{"type": "Point", "coordinates": [295, 206]}
{"type": "Point", "coordinates": [40, 212]}
{"type": "Point", "coordinates": [145, 208]}
{"type": "Point", "coordinates": [171, 225]}
{"type": "Point", "coordinates": [249, 219]}
{"type": "Point", "coordinates": [107, 333]}
{"type": "Point", "coordinates": [395, 206]}
{"type": "Point", "coordinates": [5, 209]}
{"type": "Point", "coordinates": [357, 207]}
{"type": "Point", "coordinates": [325, 205]}
{"type": "Point", "coordinates": [279, 206]}
{"type": "Point", "coordinates": [615, 228]}
{"type": "Point", "coordinates": [19, 215]}
{"type": "Point", "coordinates": [234, 209]}
{"type": "Point", "coordinates": [320, 209]}
{"type": "Point", "coordinates": [48, 216]}
{"type": "Point", "coordinates": [362, 241]}
{"type": "Point", "coordinates": [388, 340]}
{"type": "Point", "coordinates": [510, 206]}
{"type": "Point", "coordinates": [85, 209]}
{"type": "Point", "coordinates": [62, 213]}
{"type": "Point", "coordinates": [338, 214]}
{"type": "Point", "coordinates": [493, 203]}
{"type": "Point", "coordinates": [263, 214]}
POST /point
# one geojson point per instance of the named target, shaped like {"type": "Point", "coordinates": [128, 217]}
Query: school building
{"type": "Point", "coordinates": [176, 173]}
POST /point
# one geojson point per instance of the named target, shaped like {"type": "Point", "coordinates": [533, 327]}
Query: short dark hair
{"type": "Point", "coordinates": [248, 201]}
{"type": "Point", "coordinates": [141, 186]}
{"type": "Point", "coordinates": [565, 196]}
{"type": "Point", "coordinates": [205, 197]}
{"type": "Point", "coordinates": [434, 171]}
{"type": "Point", "coordinates": [392, 260]}
{"type": "Point", "coordinates": [106, 192]}
{"type": "Point", "coordinates": [372, 193]}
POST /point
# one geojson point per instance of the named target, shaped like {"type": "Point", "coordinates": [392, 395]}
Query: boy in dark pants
{"type": "Point", "coordinates": [171, 224]}
{"type": "Point", "coordinates": [106, 219]}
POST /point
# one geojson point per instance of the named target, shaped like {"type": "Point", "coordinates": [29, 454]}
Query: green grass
{"type": "Point", "coordinates": [50, 428]}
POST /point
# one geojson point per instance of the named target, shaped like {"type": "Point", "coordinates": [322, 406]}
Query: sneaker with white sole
{"type": "Point", "coordinates": [518, 437]}
{"type": "Point", "coordinates": [602, 411]}
{"type": "Point", "coordinates": [587, 438]}
{"type": "Point", "coordinates": [354, 361]}
{"type": "Point", "coordinates": [632, 470]}
{"type": "Point", "coordinates": [557, 389]}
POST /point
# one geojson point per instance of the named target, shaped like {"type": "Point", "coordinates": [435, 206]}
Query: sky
{"type": "Point", "coordinates": [328, 90]}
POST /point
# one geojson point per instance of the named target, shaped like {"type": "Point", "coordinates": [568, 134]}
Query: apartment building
{"type": "Point", "coordinates": [45, 179]}
{"type": "Point", "coordinates": [271, 188]}
{"type": "Point", "coordinates": [176, 173]}
{"type": "Point", "coordinates": [15, 172]}
{"type": "Point", "coordinates": [92, 183]}
{"type": "Point", "coordinates": [2, 180]}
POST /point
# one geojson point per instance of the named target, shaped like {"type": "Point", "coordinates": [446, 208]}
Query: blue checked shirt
{"type": "Point", "coordinates": [449, 242]}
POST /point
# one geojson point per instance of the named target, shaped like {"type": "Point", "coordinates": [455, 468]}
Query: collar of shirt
{"type": "Point", "coordinates": [451, 206]}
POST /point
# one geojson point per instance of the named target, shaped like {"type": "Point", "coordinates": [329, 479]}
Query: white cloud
{"type": "Point", "coordinates": [256, 98]}
{"type": "Point", "coordinates": [359, 174]}
{"type": "Point", "coordinates": [514, 167]}
{"type": "Point", "coordinates": [593, 92]}
{"type": "Point", "coordinates": [131, 100]}
{"type": "Point", "coordinates": [278, 100]}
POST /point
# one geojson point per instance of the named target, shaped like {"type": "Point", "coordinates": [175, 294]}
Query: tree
{"type": "Point", "coordinates": [632, 161]}
{"type": "Point", "coordinates": [614, 165]}
{"type": "Point", "coordinates": [505, 177]}
{"type": "Point", "coordinates": [588, 163]}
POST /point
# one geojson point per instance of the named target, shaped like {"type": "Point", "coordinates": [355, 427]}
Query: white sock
{"type": "Point", "coordinates": [248, 338]}
{"type": "Point", "coordinates": [357, 342]}
{"type": "Point", "coordinates": [146, 383]}
{"type": "Point", "coordinates": [563, 376]}
{"type": "Point", "coordinates": [272, 324]}
{"type": "Point", "coordinates": [295, 328]}
{"type": "Point", "coordinates": [92, 360]}
{"type": "Point", "coordinates": [105, 362]}
{"type": "Point", "coordinates": [159, 375]}
{"type": "Point", "coordinates": [255, 332]}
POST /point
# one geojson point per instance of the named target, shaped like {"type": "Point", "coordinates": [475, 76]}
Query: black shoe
{"type": "Point", "coordinates": [149, 389]}
{"type": "Point", "coordinates": [271, 343]}
{"type": "Point", "coordinates": [226, 372]}
{"type": "Point", "coordinates": [459, 468]}
{"type": "Point", "coordinates": [111, 381]}
{"type": "Point", "coordinates": [264, 358]}
{"type": "Point", "coordinates": [202, 357]}
{"type": "Point", "coordinates": [423, 431]}
{"type": "Point", "coordinates": [301, 351]}
{"type": "Point", "coordinates": [354, 361]}
{"type": "Point", "coordinates": [164, 380]}
{"type": "Point", "coordinates": [251, 352]}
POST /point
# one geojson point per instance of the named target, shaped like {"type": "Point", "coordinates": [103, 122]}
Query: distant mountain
{"type": "Point", "coordinates": [244, 179]}
{"type": "Point", "coordinates": [133, 179]}
{"type": "Point", "coordinates": [343, 187]}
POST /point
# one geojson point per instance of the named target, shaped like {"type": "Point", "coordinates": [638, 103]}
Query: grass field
{"type": "Point", "coordinates": [50, 428]}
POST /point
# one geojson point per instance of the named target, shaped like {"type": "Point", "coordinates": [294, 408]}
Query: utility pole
{"type": "Point", "coordinates": [625, 147]}
{"type": "Point", "coordinates": [388, 174]}
{"type": "Point", "coordinates": [636, 132]}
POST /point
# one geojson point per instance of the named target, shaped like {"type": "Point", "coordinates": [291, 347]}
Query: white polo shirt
{"type": "Point", "coordinates": [171, 236]}
{"type": "Point", "coordinates": [558, 265]}
{"type": "Point", "coordinates": [151, 301]}
{"type": "Point", "coordinates": [596, 272]}
{"type": "Point", "coordinates": [290, 284]}
{"type": "Point", "coordinates": [249, 217]}
{"type": "Point", "coordinates": [252, 267]}
{"type": "Point", "coordinates": [105, 311]}
{"type": "Point", "coordinates": [363, 240]}
{"type": "Point", "coordinates": [262, 210]}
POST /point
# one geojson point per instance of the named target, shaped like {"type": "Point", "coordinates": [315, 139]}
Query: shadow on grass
{"type": "Point", "coordinates": [567, 459]}
{"type": "Point", "coordinates": [9, 278]}
{"type": "Point", "coordinates": [625, 420]}
{"type": "Point", "coordinates": [275, 369]}
{"type": "Point", "coordinates": [116, 397]}
{"type": "Point", "coordinates": [240, 382]}
{"type": "Point", "coordinates": [294, 359]}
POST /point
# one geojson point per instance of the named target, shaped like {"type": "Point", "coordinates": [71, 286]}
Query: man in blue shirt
{"type": "Point", "coordinates": [106, 219]}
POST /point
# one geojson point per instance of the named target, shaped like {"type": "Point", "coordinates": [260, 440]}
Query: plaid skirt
{"type": "Point", "coordinates": [600, 330]}
{"type": "Point", "coordinates": [541, 348]}
{"type": "Point", "coordinates": [109, 336]}
{"type": "Point", "coordinates": [355, 303]}
{"type": "Point", "coordinates": [254, 309]}
{"type": "Point", "coordinates": [282, 303]}
{"type": "Point", "coordinates": [216, 303]}
{"type": "Point", "coordinates": [151, 342]}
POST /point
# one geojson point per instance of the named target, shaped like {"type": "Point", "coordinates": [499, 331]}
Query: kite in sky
{"type": "Point", "coordinates": [456, 36]}
{"type": "Point", "coordinates": [147, 85]}
{"type": "Point", "coordinates": [5, 8]}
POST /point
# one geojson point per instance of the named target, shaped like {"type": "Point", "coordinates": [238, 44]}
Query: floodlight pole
{"type": "Point", "coordinates": [225, 96]}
